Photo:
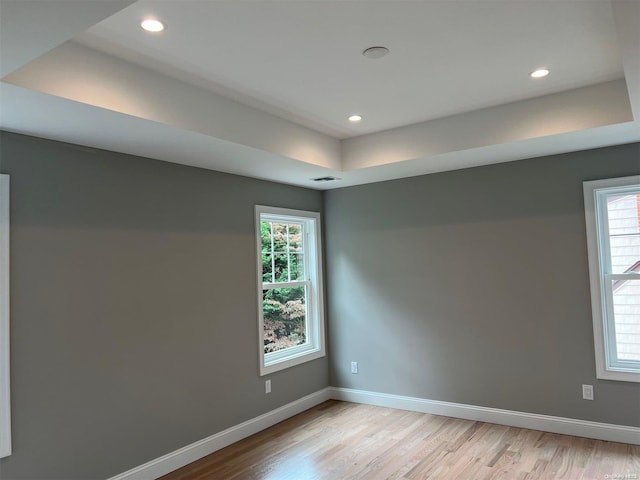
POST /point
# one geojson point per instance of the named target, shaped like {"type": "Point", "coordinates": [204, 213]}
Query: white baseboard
{"type": "Point", "coordinates": [547, 423]}
{"type": "Point", "coordinates": [568, 426]}
{"type": "Point", "coordinates": [186, 455]}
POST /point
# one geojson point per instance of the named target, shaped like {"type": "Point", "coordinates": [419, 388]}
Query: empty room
{"type": "Point", "coordinates": [319, 240]}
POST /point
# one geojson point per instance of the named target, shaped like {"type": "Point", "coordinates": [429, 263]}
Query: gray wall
{"type": "Point", "coordinates": [472, 286]}
{"type": "Point", "coordinates": [133, 308]}
{"type": "Point", "coordinates": [134, 315]}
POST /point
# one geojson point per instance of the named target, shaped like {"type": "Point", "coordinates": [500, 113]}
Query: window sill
{"type": "Point", "coordinates": [290, 361]}
{"type": "Point", "coordinates": [619, 376]}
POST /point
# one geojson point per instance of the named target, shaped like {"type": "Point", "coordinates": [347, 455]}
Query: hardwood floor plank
{"type": "Point", "coordinates": [345, 441]}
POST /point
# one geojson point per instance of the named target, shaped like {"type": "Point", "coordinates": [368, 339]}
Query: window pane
{"type": "Point", "coordinates": [282, 251]}
{"type": "Point", "coordinates": [280, 237]}
{"type": "Point", "coordinates": [281, 268]}
{"type": "Point", "coordinates": [626, 307]}
{"type": "Point", "coordinates": [624, 232]}
{"type": "Point", "coordinates": [295, 237]}
{"type": "Point", "coordinates": [296, 266]}
{"type": "Point", "coordinates": [265, 236]}
{"type": "Point", "coordinates": [285, 313]}
{"type": "Point", "coordinates": [267, 268]}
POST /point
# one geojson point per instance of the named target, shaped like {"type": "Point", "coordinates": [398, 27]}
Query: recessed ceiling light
{"type": "Point", "coordinates": [541, 72]}
{"type": "Point", "coordinates": [355, 118]}
{"type": "Point", "coordinates": [375, 52]}
{"type": "Point", "coordinates": [152, 25]}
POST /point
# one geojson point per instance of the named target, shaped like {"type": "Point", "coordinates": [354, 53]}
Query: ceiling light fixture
{"type": "Point", "coordinates": [355, 118]}
{"type": "Point", "coordinates": [375, 52]}
{"type": "Point", "coordinates": [152, 25]}
{"type": "Point", "coordinates": [541, 72]}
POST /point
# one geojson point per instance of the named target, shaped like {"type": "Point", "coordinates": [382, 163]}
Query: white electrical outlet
{"type": "Point", "coordinates": [587, 392]}
{"type": "Point", "coordinates": [267, 386]}
{"type": "Point", "coordinates": [354, 367]}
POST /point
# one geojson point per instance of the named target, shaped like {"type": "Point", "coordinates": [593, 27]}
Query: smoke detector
{"type": "Point", "coordinates": [375, 52]}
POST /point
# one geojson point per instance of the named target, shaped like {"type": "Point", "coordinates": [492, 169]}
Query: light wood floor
{"type": "Point", "coordinates": [339, 441]}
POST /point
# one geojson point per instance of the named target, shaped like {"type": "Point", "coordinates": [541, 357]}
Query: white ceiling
{"type": "Point", "coordinates": [263, 88]}
{"type": "Point", "coordinates": [305, 58]}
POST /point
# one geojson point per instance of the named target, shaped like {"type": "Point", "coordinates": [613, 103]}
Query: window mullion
{"type": "Point", "coordinates": [292, 284]}
{"type": "Point", "coordinates": [622, 276]}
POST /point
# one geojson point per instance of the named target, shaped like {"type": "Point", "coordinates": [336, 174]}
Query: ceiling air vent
{"type": "Point", "coordinates": [325, 179]}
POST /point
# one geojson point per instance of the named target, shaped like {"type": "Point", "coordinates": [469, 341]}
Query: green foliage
{"type": "Point", "coordinates": [282, 258]}
{"type": "Point", "coordinates": [284, 313]}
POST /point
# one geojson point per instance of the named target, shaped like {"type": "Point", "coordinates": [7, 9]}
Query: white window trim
{"type": "Point", "coordinates": [315, 347]}
{"type": "Point", "coordinates": [5, 398]}
{"type": "Point", "coordinates": [604, 368]}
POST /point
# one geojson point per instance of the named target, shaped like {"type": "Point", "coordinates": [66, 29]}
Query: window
{"type": "Point", "coordinates": [290, 302]}
{"type": "Point", "coordinates": [5, 412]}
{"type": "Point", "coordinates": [612, 212]}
